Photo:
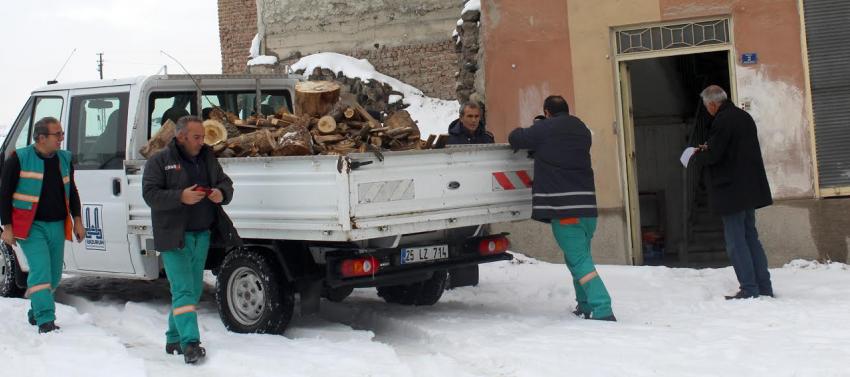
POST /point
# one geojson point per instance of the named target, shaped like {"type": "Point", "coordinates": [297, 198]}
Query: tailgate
{"type": "Point", "coordinates": [436, 189]}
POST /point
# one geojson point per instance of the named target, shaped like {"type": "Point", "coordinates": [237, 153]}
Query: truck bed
{"type": "Point", "coordinates": [359, 197]}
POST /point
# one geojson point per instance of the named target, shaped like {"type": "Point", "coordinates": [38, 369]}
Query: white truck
{"type": "Point", "coordinates": [409, 223]}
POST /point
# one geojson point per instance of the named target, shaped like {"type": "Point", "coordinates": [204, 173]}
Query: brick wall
{"type": "Point", "coordinates": [237, 25]}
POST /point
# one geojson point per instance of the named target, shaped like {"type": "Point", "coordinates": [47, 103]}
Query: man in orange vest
{"type": "Point", "coordinates": [38, 197]}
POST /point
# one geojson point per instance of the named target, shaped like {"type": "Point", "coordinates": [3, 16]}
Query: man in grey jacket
{"type": "Point", "coordinates": [564, 195]}
{"type": "Point", "coordinates": [185, 187]}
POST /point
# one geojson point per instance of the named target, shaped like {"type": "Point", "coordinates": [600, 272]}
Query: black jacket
{"type": "Point", "coordinates": [458, 134]}
{"type": "Point", "coordinates": [563, 177]}
{"type": "Point", "coordinates": [733, 162]}
{"type": "Point", "coordinates": [163, 182]}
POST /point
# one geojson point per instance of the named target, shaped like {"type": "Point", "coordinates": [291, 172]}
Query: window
{"type": "Point", "coordinates": [21, 133]}
{"type": "Point", "coordinates": [169, 105]}
{"type": "Point", "coordinates": [96, 135]}
{"type": "Point", "coordinates": [667, 37]}
{"type": "Point", "coordinates": [243, 103]}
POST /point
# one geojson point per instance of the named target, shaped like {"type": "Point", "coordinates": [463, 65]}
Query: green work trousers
{"type": "Point", "coordinates": [574, 239]}
{"type": "Point", "coordinates": [45, 252]}
{"type": "Point", "coordinates": [185, 270]}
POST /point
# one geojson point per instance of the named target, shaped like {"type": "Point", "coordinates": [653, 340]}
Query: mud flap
{"type": "Point", "coordinates": [463, 277]}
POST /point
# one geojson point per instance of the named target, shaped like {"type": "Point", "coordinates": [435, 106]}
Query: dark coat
{"type": "Point", "coordinates": [163, 182]}
{"type": "Point", "coordinates": [563, 177]}
{"type": "Point", "coordinates": [736, 178]}
{"type": "Point", "coordinates": [458, 134]}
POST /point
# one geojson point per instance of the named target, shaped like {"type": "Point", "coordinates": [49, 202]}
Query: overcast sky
{"type": "Point", "coordinates": [36, 36]}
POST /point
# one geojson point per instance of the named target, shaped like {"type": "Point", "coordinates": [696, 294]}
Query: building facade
{"type": "Point", "coordinates": [632, 70]}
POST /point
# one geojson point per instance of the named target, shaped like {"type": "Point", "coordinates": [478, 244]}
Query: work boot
{"type": "Point", "coordinates": [172, 348]}
{"type": "Point", "coordinates": [609, 318]}
{"type": "Point", "coordinates": [194, 353]}
{"type": "Point", "coordinates": [581, 313]}
{"type": "Point", "coordinates": [741, 295]}
{"type": "Point", "coordinates": [47, 327]}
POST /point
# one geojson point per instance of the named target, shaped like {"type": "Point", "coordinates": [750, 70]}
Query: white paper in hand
{"type": "Point", "coordinates": [686, 156]}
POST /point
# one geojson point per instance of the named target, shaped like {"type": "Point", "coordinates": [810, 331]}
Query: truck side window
{"type": "Point", "coordinates": [169, 105]}
{"type": "Point", "coordinates": [98, 130]}
{"type": "Point", "coordinates": [37, 108]}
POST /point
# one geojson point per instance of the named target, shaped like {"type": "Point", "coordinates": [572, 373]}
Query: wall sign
{"type": "Point", "coordinates": [749, 58]}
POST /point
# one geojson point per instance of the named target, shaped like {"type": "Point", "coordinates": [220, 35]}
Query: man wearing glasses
{"type": "Point", "coordinates": [38, 199]}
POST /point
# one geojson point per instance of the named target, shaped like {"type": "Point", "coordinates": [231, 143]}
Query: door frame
{"type": "Point", "coordinates": [625, 120]}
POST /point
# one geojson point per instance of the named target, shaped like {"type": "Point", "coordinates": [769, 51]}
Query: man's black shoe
{"type": "Point", "coordinates": [741, 295]}
{"type": "Point", "coordinates": [194, 353]}
{"type": "Point", "coordinates": [581, 313]}
{"type": "Point", "coordinates": [172, 348]}
{"type": "Point", "coordinates": [609, 318]}
{"type": "Point", "coordinates": [47, 327]}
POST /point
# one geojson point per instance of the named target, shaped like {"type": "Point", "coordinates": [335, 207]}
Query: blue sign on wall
{"type": "Point", "coordinates": [749, 58]}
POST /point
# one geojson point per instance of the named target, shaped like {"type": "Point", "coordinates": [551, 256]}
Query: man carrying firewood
{"type": "Point", "coordinates": [469, 128]}
{"type": "Point", "coordinates": [186, 188]}
{"type": "Point", "coordinates": [564, 195]}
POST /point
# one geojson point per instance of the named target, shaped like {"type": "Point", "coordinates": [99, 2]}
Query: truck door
{"type": "Point", "coordinates": [97, 131]}
{"type": "Point", "coordinates": [40, 105]}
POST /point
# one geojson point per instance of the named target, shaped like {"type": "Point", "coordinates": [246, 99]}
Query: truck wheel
{"type": "Point", "coordinates": [337, 294]}
{"type": "Point", "coordinates": [10, 271]}
{"type": "Point", "coordinates": [426, 292]}
{"type": "Point", "coordinates": [252, 295]}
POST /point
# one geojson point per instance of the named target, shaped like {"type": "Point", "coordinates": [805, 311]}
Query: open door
{"type": "Point", "coordinates": [632, 199]}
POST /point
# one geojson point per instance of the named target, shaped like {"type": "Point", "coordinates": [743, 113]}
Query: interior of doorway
{"type": "Point", "coordinates": [676, 228]}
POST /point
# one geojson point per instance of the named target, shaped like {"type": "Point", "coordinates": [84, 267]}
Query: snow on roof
{"type": "Point", "coordinates": [432, 115]}
{"type": "Point", "coordinates": [254, 51]}
{"type": "Point", "coordinates": [471, 5]}
{"type": "Point", "coordinates": [262, 59]}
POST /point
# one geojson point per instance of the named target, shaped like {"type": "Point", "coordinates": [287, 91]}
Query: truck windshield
{"type": "Point", "coordinates": [244, 104]}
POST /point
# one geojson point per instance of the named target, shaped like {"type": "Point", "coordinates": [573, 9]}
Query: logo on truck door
{"type": "Point", "coordinates": [93, 222]}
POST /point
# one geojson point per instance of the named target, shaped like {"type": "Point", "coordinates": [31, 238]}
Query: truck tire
{"type": "Point", "coordinates": [426, 292]}
{"type": "Point", "coordinates": [252, 295]}
{"type": "Point", "coordinates": [10, 272]}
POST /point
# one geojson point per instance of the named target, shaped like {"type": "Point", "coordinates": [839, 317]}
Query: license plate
{"type": "Point", "coordinates": [424, 254]}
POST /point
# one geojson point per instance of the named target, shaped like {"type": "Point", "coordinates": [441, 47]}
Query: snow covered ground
{"type": "Point", "coordinates": [673, 322]}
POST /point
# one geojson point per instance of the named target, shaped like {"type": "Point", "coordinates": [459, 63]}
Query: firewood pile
{"type": "Point", "coordinates": [323, 123]}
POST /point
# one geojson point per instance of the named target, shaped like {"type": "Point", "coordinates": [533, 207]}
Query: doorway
{"type": "Point", "coordinates": [672, 224]}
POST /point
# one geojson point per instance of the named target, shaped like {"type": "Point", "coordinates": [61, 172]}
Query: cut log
{"type": "Point", "coordinates": [294, 140]}
{"type": "Point", "coordinates": [255, 143]}
{"type": "Point", "coordinates": [400, 119]}
{"type": "Point", "coordinates": [441, 141]}
{"type": "Point", "coordinates": [430, 142]}
{"type": "Point", "coordinates": [159, 140]}
{"type": "Point", "coordinates": [348, 113]}
{"type": "Point", "coordinates": [214, 132]}
{"type": "Point", "coordinates": [327, 125]}
{"type": "Point", "coordinates": [232, 130]}
{"type": "Point", "coordinates": [315, 98]}
{"type": "Point", "coordinates": [398, 133]}
{"type": "Point", "coordinates": [327, 139]}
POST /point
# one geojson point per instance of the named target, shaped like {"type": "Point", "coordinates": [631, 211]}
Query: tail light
{"type": "Point", "coordinates": [493, 245]}
{"type": "Point", "coordinates": [365, 266]}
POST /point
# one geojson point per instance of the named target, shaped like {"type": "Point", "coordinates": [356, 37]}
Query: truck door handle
{"type": "Point", "coordinates": [116, 186]}
{"type": "Point", "coordinates": [454, 185]}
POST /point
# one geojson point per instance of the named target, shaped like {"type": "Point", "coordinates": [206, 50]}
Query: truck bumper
{"type": "Point", "coordinates": [412, 274]}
